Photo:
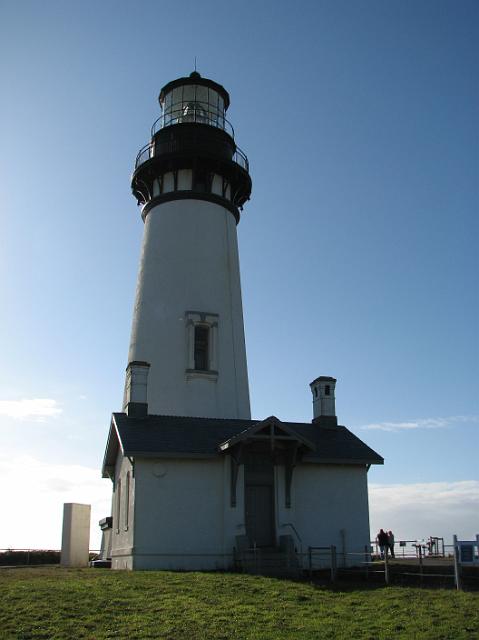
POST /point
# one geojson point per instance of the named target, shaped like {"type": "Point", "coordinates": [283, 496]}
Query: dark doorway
{"type": "Point", "coordinates": [259, 499]}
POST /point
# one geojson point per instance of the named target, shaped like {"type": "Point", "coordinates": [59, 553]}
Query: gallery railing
{"type": "Point", "coordinates": [148, 151]}
{"type": "Point", "coordinates": [195, 113]}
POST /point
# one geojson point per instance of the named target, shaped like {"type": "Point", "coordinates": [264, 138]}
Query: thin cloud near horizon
{"type": "Point", "coordinates": [420, 423]}
{"type": "Point", "coordinates": [419, 510]}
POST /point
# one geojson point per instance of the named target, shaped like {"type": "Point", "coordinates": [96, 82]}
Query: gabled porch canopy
{"type": "Point", "coordinates": [270, 430]}
{"type": "Point", "coordinates": [286, 446]}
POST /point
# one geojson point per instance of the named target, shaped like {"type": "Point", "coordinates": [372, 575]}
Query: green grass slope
{"type": "Point", "coordinates": [97, 604]}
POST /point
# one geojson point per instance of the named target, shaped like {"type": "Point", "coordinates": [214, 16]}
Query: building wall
{"type": "Point", "coordinates": [190, 263]}
{"type": "Point", "coordinates": [123, 512]}
{"type": "Point", "coordinates": [329, 505]}
{"type": "Point", "coordinates": [183, 515]}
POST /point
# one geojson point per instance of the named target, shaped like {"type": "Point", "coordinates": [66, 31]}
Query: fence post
{"type": "Point", "coordinates": [310, 560]}
{"type": "Point", "coordinates": [386, 567]}
{"type": "Point", "coordinates": [342, 533]}
{"type": "Point", "coordinates": [333, 563]}
{"type": "Point", "coordinates": [457, 567]}
{"type": "Point", "coordinates": [420, 562]}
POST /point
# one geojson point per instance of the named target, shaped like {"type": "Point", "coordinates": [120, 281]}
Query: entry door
{"type": "Point", "coordinates": [259, 515]}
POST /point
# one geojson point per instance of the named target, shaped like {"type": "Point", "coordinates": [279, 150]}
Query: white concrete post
{"type": "Point", "coordinates": [75, 535]}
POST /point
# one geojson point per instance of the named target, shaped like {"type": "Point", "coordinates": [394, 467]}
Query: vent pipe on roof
{"type": "Point", "coordinates": [324, 406]}
{"type": "Point", "coordinates": [135, 398]}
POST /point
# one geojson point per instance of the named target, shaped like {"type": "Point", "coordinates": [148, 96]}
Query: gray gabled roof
{"type": "Point", "coordinates": [176, 436]}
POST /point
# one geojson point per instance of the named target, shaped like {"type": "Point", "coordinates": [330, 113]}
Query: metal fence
{"type": "Point", "coordinates": [444, 569]}
{"type": "Point", "coordinates": [33, 557]}
{"type": "Point", "coordinates": [323, 563]}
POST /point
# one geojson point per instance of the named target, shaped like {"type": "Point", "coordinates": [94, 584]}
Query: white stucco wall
{"type": "Point", "coordinates": [183, 515]}
{"type": "Point", "coordinates": [327, 500]}
{"type": "Point", "coordinates": [122, 533]}
{"type": "Point", "coordinates": [190, 262]}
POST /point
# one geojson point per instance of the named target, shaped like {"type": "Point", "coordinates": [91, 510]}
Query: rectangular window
{"type": "Point", "coordinates": [202, 181]}
{"type": "Point", "coordinates": [327, 390]}
{"type": "Point", "coordinates": [118, 506]}
{"type": "Point", "coordinates": [127, 501]}
{"type": "Point", "coordinates": [201, 347]}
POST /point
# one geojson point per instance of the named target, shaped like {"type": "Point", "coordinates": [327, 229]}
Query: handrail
{"type": "Point", "coordinates": [197, 114]}
{"type": "Point", "coordinates": [148, 151]}
{"type": "Point", "coordinates": [290, 524]}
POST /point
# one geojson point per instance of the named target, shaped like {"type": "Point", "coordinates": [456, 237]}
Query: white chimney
{"type": "Point", "coordinates": [135, 398]}
{"type": "Point", "coordinates": [323, 399]}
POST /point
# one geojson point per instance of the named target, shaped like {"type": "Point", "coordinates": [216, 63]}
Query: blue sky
{"type": "Point", "coordinates": [358, 248]}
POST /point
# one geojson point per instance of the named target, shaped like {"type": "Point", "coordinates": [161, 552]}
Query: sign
{"type": "Point", "coordinates": [467, 552]}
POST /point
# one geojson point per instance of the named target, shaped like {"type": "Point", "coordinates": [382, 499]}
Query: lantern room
{"type": "Point", "coordinates": [192, 152]}
{"type": "Point", "coordinates": [194, 99]}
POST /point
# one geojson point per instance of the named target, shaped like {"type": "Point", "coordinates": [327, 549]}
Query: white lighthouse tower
{"type": "Point", "coordinates": [187, 351]}
{"type": "Point", "coordinates": [196, 483]}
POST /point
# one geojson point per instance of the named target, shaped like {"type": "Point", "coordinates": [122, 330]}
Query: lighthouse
{"type": "Point", "coordinates": [197, 483]}
{"type": "Point", "coordinates": [187, 352]}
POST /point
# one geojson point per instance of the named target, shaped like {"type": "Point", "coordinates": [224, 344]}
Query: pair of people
{"type": "Point", "coordinates": [385, 542]}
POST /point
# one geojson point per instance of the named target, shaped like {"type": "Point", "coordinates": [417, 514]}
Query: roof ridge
{"type": "Point", "coordinates": [229, 420]}
{"type": "Point", "coordinates": [169, 415]}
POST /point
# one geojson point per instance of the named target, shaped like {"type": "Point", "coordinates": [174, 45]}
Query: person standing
{"type": "Point", "coordinates": [391, 543]}
{"type": "Point", "coordinates": [382, 540]}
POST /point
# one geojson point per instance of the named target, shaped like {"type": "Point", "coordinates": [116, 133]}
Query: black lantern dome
{"type": "Point", "coordinates": [192, 136]}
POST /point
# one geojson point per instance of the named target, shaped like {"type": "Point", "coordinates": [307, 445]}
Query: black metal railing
{"type": "Point", "coordinates": [192, 112]}
{"type": "Point", "coordinates": [148, 151]}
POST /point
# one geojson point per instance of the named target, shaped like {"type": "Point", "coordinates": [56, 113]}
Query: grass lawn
{"type": "Point", "coordinates": [99, 603]}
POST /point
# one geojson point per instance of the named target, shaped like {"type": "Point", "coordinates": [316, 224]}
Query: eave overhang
{"type": "Point", "coordinates": [342, 461]}
{"type": "Point", "coordinates": [113, 445]}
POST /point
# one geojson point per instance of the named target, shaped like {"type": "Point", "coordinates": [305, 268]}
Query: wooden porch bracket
{"type": "Point", "coordinates": [290, 463]}
{"type": "Point", "coordinates": [236, 457]}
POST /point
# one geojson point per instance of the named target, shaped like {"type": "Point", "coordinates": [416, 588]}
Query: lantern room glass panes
{"type": "Point", "coordinates": [194, 103]}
